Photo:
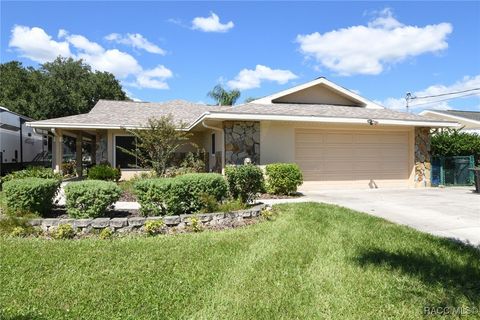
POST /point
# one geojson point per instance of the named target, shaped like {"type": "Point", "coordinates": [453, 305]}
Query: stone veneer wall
{"type": "Point", "coordinates": [133, 224]}
{"type": "Point", "coordinates": [242, 140]}
{"type": "Point", "coordinates": [422, 157]}
{"type": "Point", "coordinates": [101, 153]}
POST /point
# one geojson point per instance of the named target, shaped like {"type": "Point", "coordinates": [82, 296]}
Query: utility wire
{"type": "Point", "coordinates": [446, 99]}
{"type": "Point", "coordinates": [444, 94]}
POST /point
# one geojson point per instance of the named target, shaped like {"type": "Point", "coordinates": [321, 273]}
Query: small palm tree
{"type": "Point", "coordinates": [224, 97]}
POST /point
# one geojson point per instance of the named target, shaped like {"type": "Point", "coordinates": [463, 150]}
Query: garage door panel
{"type": "Point", "coordinates": [353, 158]}
{"type": "Point", "coordinates": [338, 138]}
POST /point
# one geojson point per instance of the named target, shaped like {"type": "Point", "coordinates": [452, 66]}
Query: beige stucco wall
{"type": "Point", "coordinates": [317, 94]}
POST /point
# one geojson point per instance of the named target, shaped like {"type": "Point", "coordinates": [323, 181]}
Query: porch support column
{"type": "Point", "coordinates": [94, 148]}
{"type": "Point", "coordinates": [78, 154]}
{"type": "Point", "coordinates": [57, 158]}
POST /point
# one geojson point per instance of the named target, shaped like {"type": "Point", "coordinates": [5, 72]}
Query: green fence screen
{"type": "Point", "coordinates": [452, 171]}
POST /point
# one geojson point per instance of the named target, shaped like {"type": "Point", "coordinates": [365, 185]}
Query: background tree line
{"type": "Point", "coordinates": [59, 88]}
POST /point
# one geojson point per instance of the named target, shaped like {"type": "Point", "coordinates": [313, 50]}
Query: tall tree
{"type": "Point", "coordinates": [59, 88]}
{"type": "Point", "coordinates": [224, 97]}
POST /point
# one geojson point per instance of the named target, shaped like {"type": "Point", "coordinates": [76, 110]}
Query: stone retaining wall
{"type": "Point", "coordinates": [219, 219]}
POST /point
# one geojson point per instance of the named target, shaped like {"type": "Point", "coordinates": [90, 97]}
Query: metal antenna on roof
{"type": "Point", "coordinates": [408, 97]}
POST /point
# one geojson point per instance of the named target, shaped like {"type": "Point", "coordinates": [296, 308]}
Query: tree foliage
{"type": "Point", "coordinates": [456, 143]}
{"type": "Point", "coordinates": [157, 143]}
{"type": "Point", "coordinates": [224, 97]}
{"type": "Point", "coordinates": [59, 88]}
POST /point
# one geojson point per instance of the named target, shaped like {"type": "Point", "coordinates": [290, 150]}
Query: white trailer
{"type": "Point", "coordinates": [20, 145]}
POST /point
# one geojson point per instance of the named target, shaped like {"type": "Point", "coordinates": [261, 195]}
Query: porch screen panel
{"type": "Point", "coordinates": [123, 159]}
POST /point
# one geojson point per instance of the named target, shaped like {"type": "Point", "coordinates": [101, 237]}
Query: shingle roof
{"type": "Point", "coordinates": [128, 113]}
{"type": "Point", "coordinates": [324, 110]}
{"type": "Point", "coordinates": [472, 115]}
{"type": "Point", "coordinates": [107, 113]}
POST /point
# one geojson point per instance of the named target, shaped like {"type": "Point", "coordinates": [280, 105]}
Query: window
{"type": "Point", "coordinates": [123, 159]}
{"type": "Point", "coordinates": [213, 143]}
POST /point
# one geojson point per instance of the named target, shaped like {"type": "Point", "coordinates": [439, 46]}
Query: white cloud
{"type": "Point", "coordinates": [119, 63]}
{"type": "Point", "coordinates": [439, 103]}
{"type": "Point", "coordinates": [369, 49]}
{"type": "Point", "coordinates": [36, 45]}
{"type": "Point", "coordinates": [137, 41]}
{"type": "Point", "coordinates": [154, 78]}
{"type": "Point", "coordinates": [82, 43]}
{"type": "Point", "coordinates": [211, 24]}
{"type": "Point", "coordinates": [248, 78]}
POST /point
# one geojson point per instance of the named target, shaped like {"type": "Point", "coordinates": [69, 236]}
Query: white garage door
{"type": "Point", "coordinates": [353, 158]}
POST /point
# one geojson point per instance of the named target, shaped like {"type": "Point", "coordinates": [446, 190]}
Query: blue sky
{"type": "Point", "coordinates": [166, 50]}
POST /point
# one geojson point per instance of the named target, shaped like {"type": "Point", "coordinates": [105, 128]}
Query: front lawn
{"type": "Point", "coordinates": [312, 261]}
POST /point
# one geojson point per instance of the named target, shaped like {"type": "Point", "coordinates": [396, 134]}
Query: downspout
{"type": "Point", "coordinates": [223, 140]}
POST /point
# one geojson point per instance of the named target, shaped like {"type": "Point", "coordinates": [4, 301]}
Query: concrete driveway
{"type": "Point", "coordinates": [449, 212]}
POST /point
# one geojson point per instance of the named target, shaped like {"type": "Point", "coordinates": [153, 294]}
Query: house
{"type": "Point", "coordinates": [20, 145]}
{"type": "Point", "coordinates": [337, 137]}
{"type": "Point", "coordinates": [469, 120]}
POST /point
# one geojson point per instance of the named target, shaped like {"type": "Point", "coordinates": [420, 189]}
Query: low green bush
{"type": "Point", "coordinates": [283, 178]}
{"type": "Point", "coordinates": [244, 182]}
{"type": "Point", "coordinates": [154, 227]}
{"type": "Point", "coordinates": [63, 231]}
{"type": "Point", "coordinates": [179, 195]}
{"type": "Point", "coordinates": [16, 226]}
{"type": "Point", "coordinates": [104, 172]}
{"type": "Point", "coordinates": [152, 194]}
{"type": "Point", "coordinates": [90, 198]}
{"type": "Point", "coordinates": [32, 172]}
{"type": "Point", "coordinates": [105, 234]}
{"type": "Point", "coordinates": [30, 195]}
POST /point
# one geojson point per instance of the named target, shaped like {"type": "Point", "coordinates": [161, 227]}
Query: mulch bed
{"type": "Point", "coordinates": [266, 196]}
{"type": "Point", "coordinates": [127, 197]}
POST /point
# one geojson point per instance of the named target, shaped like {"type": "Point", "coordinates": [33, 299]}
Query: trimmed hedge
{"type": "Point", "coordinates": [30, 195]}
{"type": "Point", "coordinates": [104, 172]}
{"type": "Point", "coordinates": [33, 172]}
{"type": "Point", "coordinates": [180, 195]}
{"type": "Point", "coordinates": [283, 178]}
{"type": "Point", "coordinates": [90, 198]}
{"type": "Point", "coordinates": [244, 182]}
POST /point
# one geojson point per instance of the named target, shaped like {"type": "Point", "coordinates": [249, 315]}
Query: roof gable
{"type": "Point", "coordinates": [319, 91]}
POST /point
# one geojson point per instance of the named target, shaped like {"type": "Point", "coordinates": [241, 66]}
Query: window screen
{"type": "Point", "coordinates": [123, 159]}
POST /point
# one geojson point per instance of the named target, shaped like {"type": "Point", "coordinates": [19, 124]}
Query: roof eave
{"type": "Point", "coordinates": [344, 120]}
{"type": "Point", "coordinates": [474, 122]}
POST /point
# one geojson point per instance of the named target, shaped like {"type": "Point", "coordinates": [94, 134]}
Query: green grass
{"type": "Point", "coordinates": [312, 261]}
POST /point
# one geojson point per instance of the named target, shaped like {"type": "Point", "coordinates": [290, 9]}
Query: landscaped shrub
{"type": "Point", "coordinates": [152, 194]}
{"type": "Point", "coordinates": [69, 168]}
{"type": "Point", "coordinates": [244, 181]}
{"type": "Point", "coordinates": [33, 172]}
{"type": "Point", "coordinates": [104, 172]}
{"type": "Point", "coordinates": [179, 195]}
{"type": "Point", "coordinates": [283, 178]}
{"type": "Point", "coordinates": [154, 227]}
{"type": "Point", "coordinates": [106, 233]}
{"type": "Point", "coordinates": [90, 198]}
{"type": "Point", "coordinates": [17, 227]}
{"type": "Point", "coordinates": [63, 231]}
{"type": "Point", "coordinates": [30, 195]}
